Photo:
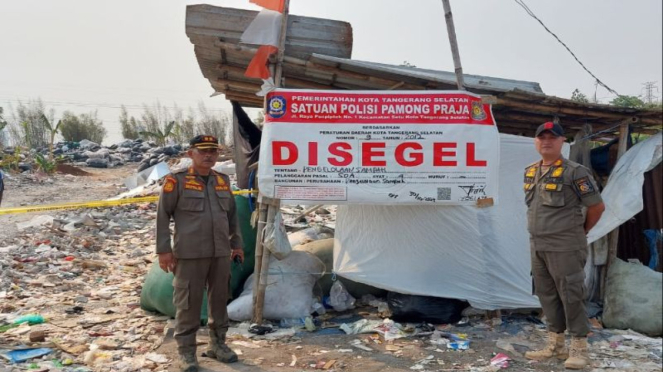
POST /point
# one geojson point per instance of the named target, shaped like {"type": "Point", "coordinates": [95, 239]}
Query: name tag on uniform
{"type": "Point", "coordinates": [193, 185]}
{"type": "Point", "coordinates": [553, 187]}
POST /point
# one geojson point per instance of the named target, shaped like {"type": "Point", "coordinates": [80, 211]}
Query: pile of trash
{"type": "Point", "coordinates": [90, 154]}
{"type": "Point", "coordinates": [70, 289]}
{"type": "Point", "coordinates": [147, 153]}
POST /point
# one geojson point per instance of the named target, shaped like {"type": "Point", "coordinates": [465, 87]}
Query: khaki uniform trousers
{"type": "Point", "coordinates": [559, 282]}
{"type": "Point", "coordinates": [191, 278]}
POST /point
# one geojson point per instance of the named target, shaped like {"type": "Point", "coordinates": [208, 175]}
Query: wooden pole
{"type": "Point", "coordinates": [281, 53]}
{"type": "Point", "coordinates": [257, 266]}
{"type": "Point", "coordinates": [259, 297]}
{"type": "Point", "coordinates": [613, 236]}
{"type": "Point", "coordinates": [451, 31]}
{"type": "Point", "coordinates": [261, 275]}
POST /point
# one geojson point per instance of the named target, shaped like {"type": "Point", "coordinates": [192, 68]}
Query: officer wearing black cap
{"type": "Point", "coordinates": [207, 238]}
{"type": "Point", "coordinates": [563, 204]}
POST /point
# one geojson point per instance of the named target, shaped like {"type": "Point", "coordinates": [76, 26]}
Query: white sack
{"type": "Point", "coordinates": [462, 252]}
{"type": "Point", "coordinates": [289, 291]}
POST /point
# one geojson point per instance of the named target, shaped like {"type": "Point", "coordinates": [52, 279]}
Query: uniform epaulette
{"type": "Point", "coordinates": [219, 173]}
{"type": "Point", "coordinates": [532, 165]}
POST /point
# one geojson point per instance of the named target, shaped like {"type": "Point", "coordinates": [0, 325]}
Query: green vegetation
{"type": "Point", "coordinates": [160, 124]}
{"type": "Point", "coordinates": [76, 128]}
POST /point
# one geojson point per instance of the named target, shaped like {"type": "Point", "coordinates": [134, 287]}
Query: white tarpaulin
{"type": "Point", "coordinates": [623, 193]}
{"type": "Point", "coordinates": [463, 252]}
{"type": "Point", "coordinates": [368, 147]}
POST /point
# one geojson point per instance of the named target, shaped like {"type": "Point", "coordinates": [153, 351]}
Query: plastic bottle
{"type": "Point", "coordinates": [292, 323]}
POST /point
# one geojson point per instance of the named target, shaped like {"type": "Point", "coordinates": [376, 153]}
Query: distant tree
{"type": "Point", "coordinates": [3, 125]}
{"type": "Point", "coordinates": [578, 96]}
{"type": "Point", "coordinates": [161, 136]}
{"type": "Point", "coordinates": [628, 101]}
{"type": "Point", "coordinates": [130, 127]}
{"type": "Point", "coordinates": [186, 126]}
{"type": "Point", "coordinates": [27, 127]}
{"type": "Point", "coordinates": [211, 124]}
{"type": "Point", "coordinates": [84, 126]}
{"type": "Point", "coordinates": [53, 130]}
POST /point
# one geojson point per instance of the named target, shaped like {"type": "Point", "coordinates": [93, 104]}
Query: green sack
{"type": "Point", "coordinates": [157, 292]}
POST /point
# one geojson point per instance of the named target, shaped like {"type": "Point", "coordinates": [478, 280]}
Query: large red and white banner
{"type": "Point", "coordinates": [369, 147]}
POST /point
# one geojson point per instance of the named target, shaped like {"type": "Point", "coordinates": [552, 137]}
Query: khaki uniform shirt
{"type": "Point", "coordinates": [204, 213]}
{"type": "Point", "coordinates": [555, 200]}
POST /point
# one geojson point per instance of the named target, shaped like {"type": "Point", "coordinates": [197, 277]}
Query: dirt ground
{"type": "Point", "coordinates": [35, 189]}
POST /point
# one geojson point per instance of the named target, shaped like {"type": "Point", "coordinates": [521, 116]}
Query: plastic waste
{"type": "Point", "coordinates": [30, 319]}
{"type": "Point", "coordinates": [500, 360]}
{"type": "Point", "coordinates": [308, 324]}
{"type": "Point", "coordinates": [339, 297]}
{"type": "Point", "coordinates": [277, 238]}
{"type": "Point", "coordinates": [292, 323]}
{"type": "Point", "coordinates": [459, 345]}
{"type": "Point", "coordinates": [19, 356]}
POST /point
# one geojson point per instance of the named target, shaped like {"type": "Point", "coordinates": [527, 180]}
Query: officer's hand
{"type": "Point", "coordinates": [167, 262]}
{"type": "Point", "coordinates": [237, 253]}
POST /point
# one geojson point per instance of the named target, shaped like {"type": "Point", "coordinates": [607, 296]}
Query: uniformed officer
{"type": "Point", "coordinates": [207, 238]}
{"type": "Point", "coordinates": [556, 192]}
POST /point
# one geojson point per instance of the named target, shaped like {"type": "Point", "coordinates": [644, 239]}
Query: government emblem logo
{"type": "Point", "coordinates": [276, 107]}
{"type": "Point", "coordinates": [478, 113]}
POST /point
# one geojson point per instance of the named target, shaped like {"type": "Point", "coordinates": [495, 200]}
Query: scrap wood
{"type": "Point", "coordinates": [329, 364]}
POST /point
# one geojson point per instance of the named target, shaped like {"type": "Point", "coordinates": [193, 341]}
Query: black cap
{"type": "Point", "coordinates": [551, 127]}
{"type": "Point", "coordinates": [204, 142]}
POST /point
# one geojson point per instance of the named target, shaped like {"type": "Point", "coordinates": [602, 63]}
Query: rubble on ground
{"type": "Point", "coordinates": [81, 274]}
{"type": "Point", "coordinates": [70, 286]}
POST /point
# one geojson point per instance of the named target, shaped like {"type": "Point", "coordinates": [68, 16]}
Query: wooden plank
{"type": "Point", "coordinates": [613, 237]}
{"type": "Point", "coordinates": [305, 35]}
{"type": "Point", "coordinates": [259, 299]}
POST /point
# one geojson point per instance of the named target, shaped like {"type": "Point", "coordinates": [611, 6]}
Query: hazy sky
{"type": "Point", "coordinates": [84, 55]}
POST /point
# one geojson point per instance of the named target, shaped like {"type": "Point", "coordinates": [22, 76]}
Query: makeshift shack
{"type": "Point", "coordinates": [479, 255]}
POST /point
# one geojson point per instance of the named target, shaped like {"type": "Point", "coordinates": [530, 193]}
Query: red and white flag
{"type": "Point", "coordinates": [265, 31]}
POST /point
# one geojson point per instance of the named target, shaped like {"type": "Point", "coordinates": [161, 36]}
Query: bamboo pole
{"type": "Point", "coordinates": [451, 31]}
{"type": "Point", "coordinates": [260, 284]}
{"type": "Point", "coordinates": [273, 205]}
{"type": "Point", "coordinates": [613, 236]}
{"type": "Point", "coordinates": [257, 266]}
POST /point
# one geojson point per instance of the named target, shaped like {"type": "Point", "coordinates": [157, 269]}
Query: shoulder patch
{"type": "Point", "coordinates": [584, 186]}
{"type": "Point", "coordinates": [170, 184]}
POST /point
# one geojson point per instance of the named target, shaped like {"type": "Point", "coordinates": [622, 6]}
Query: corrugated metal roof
{"type": "Point", "coordinates": [472, 82]}
{"type": "Point", "coordinates": [519, 106]}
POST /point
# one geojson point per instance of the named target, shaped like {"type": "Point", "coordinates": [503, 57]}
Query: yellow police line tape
{"type": "Point", "coordinates": [94, 204]}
